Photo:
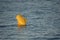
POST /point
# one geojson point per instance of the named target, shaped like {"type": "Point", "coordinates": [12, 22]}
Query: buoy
{"type": "Point", "coordinates": [21, 21]}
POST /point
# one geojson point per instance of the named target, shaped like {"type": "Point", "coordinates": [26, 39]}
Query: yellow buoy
{"type": "Point", "coordinates": [21, 21]}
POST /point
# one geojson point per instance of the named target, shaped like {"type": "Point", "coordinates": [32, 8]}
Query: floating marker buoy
{"type": "Point", "coordinates": [21, 21]}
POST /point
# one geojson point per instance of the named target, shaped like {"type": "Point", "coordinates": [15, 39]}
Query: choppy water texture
{"type": "Point", "coordinates": [43, 19]}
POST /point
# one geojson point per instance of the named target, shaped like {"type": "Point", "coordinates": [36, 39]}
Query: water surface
{"type": "Point", "coordinates": [43, 19]}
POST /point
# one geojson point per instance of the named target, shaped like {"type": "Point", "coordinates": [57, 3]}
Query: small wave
{"type": "Point", "coordinates": [6, 25]}
{"type": "Point", "coordinates": [3, 26]}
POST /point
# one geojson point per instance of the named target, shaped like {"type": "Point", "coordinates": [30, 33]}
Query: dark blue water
{"type": "Point", "coordinates": [43, 19]}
